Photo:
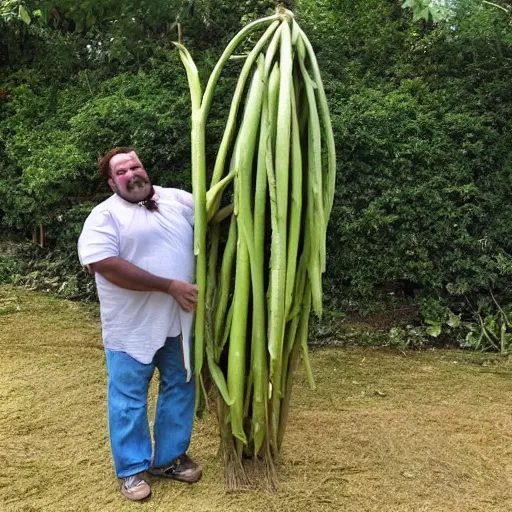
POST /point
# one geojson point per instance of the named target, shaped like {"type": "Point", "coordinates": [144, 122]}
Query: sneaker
{"type": "Point", "coordinates": [182, 468]}
{"type": "Point", "coordinates": [135, 488]}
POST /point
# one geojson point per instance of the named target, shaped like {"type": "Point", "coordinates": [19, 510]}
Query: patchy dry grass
{"type": "Point", "coordinates": [386, 431]}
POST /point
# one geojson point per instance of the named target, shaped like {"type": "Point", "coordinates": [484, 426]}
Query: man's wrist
{"type": "Point", "coordinates": [170, 286]}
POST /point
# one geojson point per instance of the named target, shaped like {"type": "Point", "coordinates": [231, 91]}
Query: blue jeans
{"type": "Point", "coordinates": [128, 383]}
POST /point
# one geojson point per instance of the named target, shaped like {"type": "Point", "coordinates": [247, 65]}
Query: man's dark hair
{"type": "Point", "coordinates": [104, 162]}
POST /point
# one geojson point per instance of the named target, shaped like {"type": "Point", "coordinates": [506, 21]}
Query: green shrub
{"type": "Point", "coordinates": [422, 119]}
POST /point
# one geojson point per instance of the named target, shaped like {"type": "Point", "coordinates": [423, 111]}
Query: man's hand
{"type": "Point", "coordinates": [184, 293]}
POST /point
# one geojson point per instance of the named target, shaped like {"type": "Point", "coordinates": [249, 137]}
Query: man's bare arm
{"type": "Point", "coordinates": [126, 275]}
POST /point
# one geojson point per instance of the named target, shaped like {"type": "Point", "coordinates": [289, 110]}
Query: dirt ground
{"type": "Point", "coordinates": [385, 431]}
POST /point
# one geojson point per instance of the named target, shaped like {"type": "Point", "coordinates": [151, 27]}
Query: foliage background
{"type": "Point", "coordinates": [421, 111]}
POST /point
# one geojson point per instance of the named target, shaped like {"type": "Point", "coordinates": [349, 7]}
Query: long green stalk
{"type": "Point", "coordinates": [199, 191]}
{"type": "Point", "coordinates": [315, 203]}
{"type": "Point", "coordinates": [210, 349]}
{"type": "Point", "coordinates": [326, 121]}
{"type": "Point", "coordinates": [224, 286]}
{"type": "Point", "coordinates": [220, 161]}
{"type": "Point", "coordinates": [273, 296]}
{"type": "Point", "coordinates": [258, 335]}
{"type": "Point", "coordinates": [237, 340]}
{"type": "Point", "coordinates": [226, 54]}
{"type": "Point", "coordinates": [278, 269]}
{"type": "Point", "coordinates": [243, 163]}
{"type": "Point", "coordinates": [296, 208]}
{"type": "Point", "coordinates": [244, 153]}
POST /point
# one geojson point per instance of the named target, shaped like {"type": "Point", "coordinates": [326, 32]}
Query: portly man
{"type": "Point", "coordinates": [139, 245]}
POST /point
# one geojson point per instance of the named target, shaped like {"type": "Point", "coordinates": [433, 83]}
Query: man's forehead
{"type": "Point", "coordinates": [124, 158]}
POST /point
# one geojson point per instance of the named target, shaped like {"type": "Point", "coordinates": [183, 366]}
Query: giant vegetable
{"type": "Point", "coordinates": [260, 233]}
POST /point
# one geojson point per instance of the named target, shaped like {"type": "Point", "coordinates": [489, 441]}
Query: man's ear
{"type": "Point", "coordinates": [112, 184]}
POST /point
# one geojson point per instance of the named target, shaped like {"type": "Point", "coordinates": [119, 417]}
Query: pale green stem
{"type": "Point", "coordinates": [243, 164]}
{"type": "Point", "coordinates": [315, 208]}
{"type": "Point", "coordinates": [327, 126]}
{"type": "Point", "coordinates": [258, 338]}
{"type": "Point", "coordinates": [224, 286]}
{"type": "Point", "coordinates": [295, 209]}
{"type": "Point", "coordinates": [220, 161]}
{"type": "Point", "coordinates": [278, 269]}
{"type": "Point", "coordinates": [199, 192]}
{"type": "Point", "coordinates": [226, 54]}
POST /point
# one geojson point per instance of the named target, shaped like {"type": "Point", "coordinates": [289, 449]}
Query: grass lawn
{"type": "Point", "coordinates": [385, 431]}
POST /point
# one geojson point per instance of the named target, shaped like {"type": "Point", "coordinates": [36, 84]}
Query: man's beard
{"type": "Point", "coordinates": [146, 201]}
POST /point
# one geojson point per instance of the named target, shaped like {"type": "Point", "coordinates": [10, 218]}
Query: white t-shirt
{"type": "Point", "coordinates": [160, 242]}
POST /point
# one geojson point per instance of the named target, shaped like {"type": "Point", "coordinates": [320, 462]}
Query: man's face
{"type": "Point", "coordinates": [128, 178]}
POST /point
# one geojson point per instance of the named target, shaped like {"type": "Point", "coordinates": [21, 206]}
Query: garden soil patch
{"type": "Point", "coordinates": [385, 431]}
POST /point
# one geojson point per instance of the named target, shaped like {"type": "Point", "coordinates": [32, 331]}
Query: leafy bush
{"type": "Point", "coordinates": [421, 114]}
{"type": "Point", "coordinates": [421, 192]}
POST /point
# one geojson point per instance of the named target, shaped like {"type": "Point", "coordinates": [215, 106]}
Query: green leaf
{"type": "Point", "coordinates": [453, 320]}
{"type": "Point", "coordinates": [434, 330]}
{"type": "Point", "coordinates": [24, 15]}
